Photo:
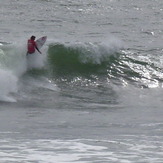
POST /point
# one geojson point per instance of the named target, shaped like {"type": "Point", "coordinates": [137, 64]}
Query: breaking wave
{"type": "Point", "coordinates": [107, 62]}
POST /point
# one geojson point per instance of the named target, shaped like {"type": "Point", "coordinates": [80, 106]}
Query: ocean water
{"type": "Point", "coordinates": [95, 95]}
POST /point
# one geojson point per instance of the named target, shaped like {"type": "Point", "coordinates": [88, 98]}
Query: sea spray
{"type": "Point", "coordinates": [13, 64]}
{"type": "Point", "coordinates": [35, 61]}
{"type": "Point", "coordinates": [8, 84]}
{"type": "Point", "coordinates": [14, 59]}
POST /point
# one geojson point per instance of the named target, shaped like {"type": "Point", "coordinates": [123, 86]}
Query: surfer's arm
{"type": "Point", "coordinates": [37, 49]}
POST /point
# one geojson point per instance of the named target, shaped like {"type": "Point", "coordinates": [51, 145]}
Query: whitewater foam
{"type": "Point", "coordinates": [80, 151]}
{"type": "Point", "coordinates": [8, 84]}
{"type": "Point", "coordinates": [13, 64]}
{"type": "Point", "coordinates": [35, 61]}
{"type": "Point", "coordinates": [98, 52]}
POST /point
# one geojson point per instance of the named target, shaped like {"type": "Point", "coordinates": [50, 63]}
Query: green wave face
{"type": "Point", "coordinates": [66, 60]}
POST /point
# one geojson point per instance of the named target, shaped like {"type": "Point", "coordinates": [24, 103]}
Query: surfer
{"type": "Point", "coordinates": [31, 46]}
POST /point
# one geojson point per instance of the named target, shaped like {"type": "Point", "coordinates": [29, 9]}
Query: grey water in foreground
{"type": "Point", "coordinates": [95, 93]}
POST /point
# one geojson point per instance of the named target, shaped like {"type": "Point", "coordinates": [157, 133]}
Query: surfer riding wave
{"type": "Point", "coordinates": [31, 46]}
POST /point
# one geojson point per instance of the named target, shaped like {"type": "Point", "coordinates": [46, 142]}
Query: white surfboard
{"type": "Point", "coordinates": [41, 41]}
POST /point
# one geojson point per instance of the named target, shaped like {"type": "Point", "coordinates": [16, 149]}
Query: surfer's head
{"type": "Point", "coordinates": [33, 37]}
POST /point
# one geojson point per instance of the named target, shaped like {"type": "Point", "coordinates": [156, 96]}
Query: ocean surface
{"type": "Point", "coordinates": [95, 94]}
